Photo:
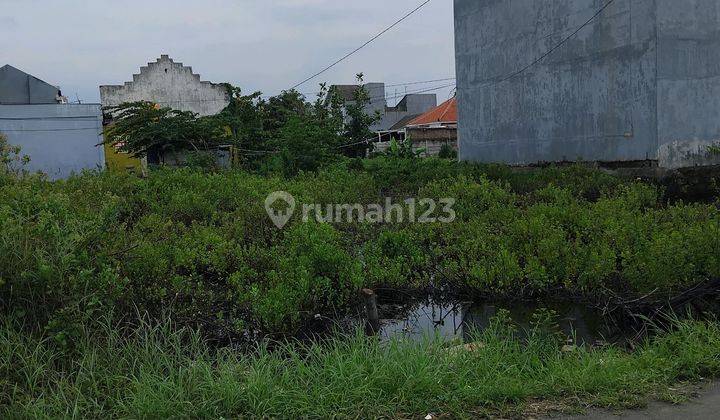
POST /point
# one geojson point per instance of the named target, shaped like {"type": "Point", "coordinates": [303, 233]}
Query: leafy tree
{"type": "Point", "coordinates": [11, 159]}
{"type": "Point", "coordinates": [328, 109]}
{"type": "Point", "coordinates": [358, 122]}
{"type": "Point", "coordinates": [143, 127]}
{"type": "Point", "coordinates": [714, 149]}
{"type": "Point", "coordinates": [304, 145]}
{"type": "Point", "coordinates": [278, 110]}
{"type": "Point", "coordinates": [242, 119]}
{"type": "Point", "coordinates": [285, 129]}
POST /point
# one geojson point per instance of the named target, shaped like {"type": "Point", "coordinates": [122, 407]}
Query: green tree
{"type": "Point", "coordinates": [242, 119]}
{"type": "Point", "coordinates": [143, 127]}
{"type": "Point", "coordinates": [304, 145]}
{"type": "Point", "coordinates": [358, 122]}
{"type": "Point", "coordinates": [278, 110]}
{"type": "Point", "coordinates": [11, 159]}
{"type": "Point", "coordinates": [328, 109]}
{"type": "Point", "coordinates": [283, 130]}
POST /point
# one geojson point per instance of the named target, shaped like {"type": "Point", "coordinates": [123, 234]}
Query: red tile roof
{"type": "Point", "coordinates": [445, 113]}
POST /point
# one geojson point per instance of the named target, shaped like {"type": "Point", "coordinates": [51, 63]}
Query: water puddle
{"type": "Point", "coordinates": [457, 320]}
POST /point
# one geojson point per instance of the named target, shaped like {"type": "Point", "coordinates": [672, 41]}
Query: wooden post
{"type": "Point", "coordinates": [371, 310]}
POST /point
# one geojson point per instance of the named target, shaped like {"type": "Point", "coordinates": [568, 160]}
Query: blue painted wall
{"type": "Point", "coordinates": [59, 139]}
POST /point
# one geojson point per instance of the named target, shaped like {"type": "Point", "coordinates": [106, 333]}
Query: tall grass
{"type": "Point", "coordinates": [155, 372]}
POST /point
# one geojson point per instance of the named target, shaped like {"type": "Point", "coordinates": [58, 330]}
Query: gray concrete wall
{"type": "Point", "coordinates": [593, 99]}
{"type": "Point", "coordinates": [18, 87]}
{"type": "Point", "coordinates": [59, 139]}
{"type": "Point", "coordinates": [169, 84]}
{"type": "Point", "coordinates": [641, 82]}
{"type": "Point", "coordinates": [377, 104]}
{"type": "Point", "coordinates": [412, 104]}
{"type": "Point", "coordinates": [688, 84]}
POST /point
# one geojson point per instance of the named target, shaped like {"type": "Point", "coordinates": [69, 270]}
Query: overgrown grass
{"type": "Point", "coordinates": [202, 245]}
{"type": "Point", "coordinates": [154, 372]}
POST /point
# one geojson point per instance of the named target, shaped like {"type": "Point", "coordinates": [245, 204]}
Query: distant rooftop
{"type": "Point", "coordinates": [446, 113]}
{"type": "Point", "coordinates": [18, 88]}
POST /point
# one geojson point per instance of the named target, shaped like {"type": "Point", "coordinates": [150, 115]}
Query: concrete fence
{"type": "Point", "coordinates": [60, 139]}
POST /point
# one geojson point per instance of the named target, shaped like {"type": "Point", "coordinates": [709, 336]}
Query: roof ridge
{"type": "Point", "coordinates": [439, 114]}
{"type": "Point", "coordinates": [447, 109]}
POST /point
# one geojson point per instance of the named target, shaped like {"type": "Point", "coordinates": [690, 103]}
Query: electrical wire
{"type": "Point", "coordinates": [399, 21]}
{"type": "Point", "coordinates": [556, 47]}
{"type": "Point", "coordinates": [272, 152]}
{"type": "Point", "coordinates": [421, 82]}
{"type": "Point", "coordinates": [182, 101]}
{"type": "Point", "coordinates": [412, 92]}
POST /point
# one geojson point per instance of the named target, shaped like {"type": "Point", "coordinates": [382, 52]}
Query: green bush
{"type": "Point", "coordinates": [447, 152]}
{"type": "Point", "coordinates": [202, 247]}
{"type": "Point", "coordinates": [310, 274]}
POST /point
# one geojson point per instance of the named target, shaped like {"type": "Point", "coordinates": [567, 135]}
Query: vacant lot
{"type": "Point", "coordinates": [91, 266]}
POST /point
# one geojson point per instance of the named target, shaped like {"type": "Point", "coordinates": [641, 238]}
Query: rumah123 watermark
{"type": "Point", "coordinates": [282, 206]}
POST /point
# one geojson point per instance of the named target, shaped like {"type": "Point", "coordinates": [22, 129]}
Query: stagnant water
{"type": "Point", "coordinates": [457, 320]}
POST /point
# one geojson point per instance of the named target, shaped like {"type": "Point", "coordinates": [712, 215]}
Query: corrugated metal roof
{"type": "Point", "coordinates": [446, 113]}
{"type": "Point", "coordinates": [403, 122]}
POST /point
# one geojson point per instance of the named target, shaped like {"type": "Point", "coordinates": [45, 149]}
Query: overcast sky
{"type": "Point", "coordinates": [265, 45]}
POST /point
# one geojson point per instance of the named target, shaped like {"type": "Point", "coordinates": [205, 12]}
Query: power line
{"type": "Point", "coordinates": [362, 46]}
{"type": "Point", "coordinates": [274, 152]}
{"type": "Point", "coordinates": [421, 82]}
{"type": "Point", "coordinates": [555, 48]}
{"type": "Point", "coordinates": [366, 141]}
{"type": "Point", "coordinates": [412, 92]}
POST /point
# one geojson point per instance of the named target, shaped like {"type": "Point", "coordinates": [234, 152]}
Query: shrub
{"type": "Point", "coordinates": [447, 152]}
{"type": "Point", "coordinates": [200, 245]}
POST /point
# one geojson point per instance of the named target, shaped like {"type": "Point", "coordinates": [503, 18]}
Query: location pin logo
{"type": "Point", "coordinates": [280, 218]}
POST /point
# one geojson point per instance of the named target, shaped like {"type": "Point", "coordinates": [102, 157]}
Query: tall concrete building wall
{"type": "Point", "coordinates": [169, 84]}
{"type": "Point", "coordinates": [634, 85]}
{"type": "Point", "coordinates": [688, 84]}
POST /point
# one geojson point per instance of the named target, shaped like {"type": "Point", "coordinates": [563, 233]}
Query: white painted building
{"type": "Point", "coordinates": [168, 84]}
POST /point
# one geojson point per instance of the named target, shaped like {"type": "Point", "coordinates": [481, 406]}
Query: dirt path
{"type": "Point", "coordinates": [706, 406]}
